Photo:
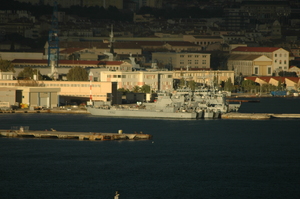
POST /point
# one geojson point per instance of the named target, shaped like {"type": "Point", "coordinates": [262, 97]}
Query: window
{"type": "Point", "coordinates": [181, 55]}
{"type": "Point", "coordinates": [203, 56]}
{"type": "Point", "coordinates": [203, 61]}
{"type": "Point", "coordinates": [256, 70]}
{"type": "Point", "coordinates": [181, 62]}
{"type": "Point", "coordinates": [169, 76]}
{"type": "Point", "coordinates": [108, 76]}
{"type": "Point", "coordinates": [269, 70]}
{"type": "Point", "coordinates": [189, 55]}
{"type": "Point", "coordinates": [284, 62]}
{"type": "Point", "coordinates": [196, 55]}
{"type": "Point", "coordinates": [275, 55]}
{"type": "Point", "coordinates": [189, 61]}
{"type": "Point", "coordinates": [196, 61]}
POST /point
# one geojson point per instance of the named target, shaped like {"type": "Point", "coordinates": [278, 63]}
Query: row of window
{"type": "Point", "coordinates": [284, 55]}
{"type": "Point", "coordinates": [55, 85]}
{"type": "Point", "coordinates": [71, 85]}
{"type": "Point", "coordinates": [195, 62]}
{"type": "Point", "coordinates": [280, 61]}
{"type": "Point", "coordinates": [193, 66]}
{"type": "Point", "coordinates": [86, 95]}
{"type": "Point", "coordinates": [196, 56]}
{"type": "Point", "coordinates": [136, 76]}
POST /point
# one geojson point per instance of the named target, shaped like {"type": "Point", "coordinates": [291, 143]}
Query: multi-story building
{"type": "Point", "coordinates": [266, 11]}
{"type": "Point", "coordinates": [203, 40]}
{"type": "Point", "coordinates": [157, 80]}
{"type": "Point", "coordinates": [261, 60]}
{"type": "Point", "coordinates": [182, 60]}
{"type": "Point", "coordinates": [204, 77]}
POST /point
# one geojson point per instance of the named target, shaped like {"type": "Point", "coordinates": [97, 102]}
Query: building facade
{"type": "Point", "coordinates": [182, 60]}
{"type": "Point", "coordinates": [274, 60]}
{"type": "Point", "coordinates": [157, 80]}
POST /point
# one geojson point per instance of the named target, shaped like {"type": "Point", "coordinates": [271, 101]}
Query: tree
{"type": "Point", "coordinates": [6, 66]}
{"type": "Point", "coordinates": [28, 73]}
{"type": "Point", "coordinates": [77, 74]}
{"type": "Point", "coordinates": [192, 85]}
{"type": "Point", "coordinates": [145, 88]}
{"type": "Point", "coordinates": [228, 85]}
{"type": "Point", "coordinates": [248, 85]}
{"type": "Point", "coordinates": [123, 90]}
{"type": "Point", "coordinates": [136, 89]}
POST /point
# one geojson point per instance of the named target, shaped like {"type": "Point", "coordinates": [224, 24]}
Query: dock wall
{"type": "Point", "coordinates": [74, 135]}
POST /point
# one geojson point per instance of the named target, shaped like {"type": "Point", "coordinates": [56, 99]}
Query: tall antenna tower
{"type": "Point", "coordinates": [111, 41]}
{"type": "Point", "coordinates": [53, 42]}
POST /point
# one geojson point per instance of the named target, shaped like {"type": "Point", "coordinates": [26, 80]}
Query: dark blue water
{"type": "Point", "coordinates": [185, 159]}
{"type": "Point", "coordinates": [271, 105]}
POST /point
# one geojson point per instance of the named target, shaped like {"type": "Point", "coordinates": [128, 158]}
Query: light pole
{"type": "Point", "coordinates": [91, 79]}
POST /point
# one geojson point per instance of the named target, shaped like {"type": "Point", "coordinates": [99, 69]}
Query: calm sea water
{"type": "Point", "coordinates": [185, 158]}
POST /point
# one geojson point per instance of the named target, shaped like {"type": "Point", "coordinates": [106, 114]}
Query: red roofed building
{"type": "Point", "coordinates": [275, 60]}
{"type": "Point", "coordinates": [290, 82]}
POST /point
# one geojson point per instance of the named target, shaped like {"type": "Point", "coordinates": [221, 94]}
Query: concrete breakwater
{"type": "Point", "coordinates": [68, 111]}
{"type": "Point", "coordinates": [53, 134]}
{"type": "Point", "coordinates": [259, 116]}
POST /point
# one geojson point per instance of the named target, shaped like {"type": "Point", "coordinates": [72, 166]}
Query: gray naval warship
{"type": "Point", "coordinates": [178, 104]}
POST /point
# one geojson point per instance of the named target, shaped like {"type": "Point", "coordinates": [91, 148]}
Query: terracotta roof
{"type": "Point", "coordinates": [255, 49]}
{"type": "Point", "coordinates": [243, 57]}
{"type": "Point", "coordinates": [181, 43]}
{"type": "Point", "coordinates": [278, 78]}
{"type": "Point", "coordinates": [31, 61]}
{"type": "Point", "coordinates": [75, 62]}
{"type": "Point", "coordinates": [265, 78]}
{"type": "Point", "coordinates": [252, 78]}
{"type": "Point", "coordinates": [71, 50]}
{"type": "Point", "coordinates": [293, 79]}
{"type": "Point", "coordinates": [97, 44]}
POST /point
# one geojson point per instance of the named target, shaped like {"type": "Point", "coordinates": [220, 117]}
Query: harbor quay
{"type": "Point", "coordinates": [91, 136]}
{"type": "Point", "coordinates": [230, 115]}
{"type": "Point", "coordinates": [260, 116]}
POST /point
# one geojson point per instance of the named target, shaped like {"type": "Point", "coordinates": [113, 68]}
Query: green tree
{"type": "Point", "coordinates": [182, 83]}
{"type": "Point", "coordinates": [228, 85]}
{"type": "Point", "coordinates": [136, 89]}
{"type": "Point", "coordinates": [145, 88]}
{"type": "Point", "coordinates": [28, 73]}
{"type": "Point", "coordinates": [77, 74]}
{"type": "Point", "coordinates": [123, 90]}
{"type": "Point", "coordinates": [6, 66]}
{"type": "Point", "coordinates": [248, 85]}
{"type": "Point", "coordinates": [192, 85]}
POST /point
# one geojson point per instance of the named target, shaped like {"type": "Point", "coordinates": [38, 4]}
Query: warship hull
{"type": "Point", "coordinates": [141, 113]}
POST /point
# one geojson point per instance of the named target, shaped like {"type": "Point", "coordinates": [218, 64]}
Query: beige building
{"type": "Point", "coordinates": [250, 65]}
{"type": "Point", "coordinates": [157, 80]}
{"type": "Point", "coordinates": [20, 55]}
{"type": "Point", "coordinates": [182, 60]}
{"type": "Point", "coordinates": [203, 40]}
{"type": "Point", "coordinates": [53, 91]}
{"type": "Point", "coordinates": [204, 77]}
{"type": "Point", "coordinates": [273, 61]}
{"type": "Point", "coordinates": [6, 75]}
